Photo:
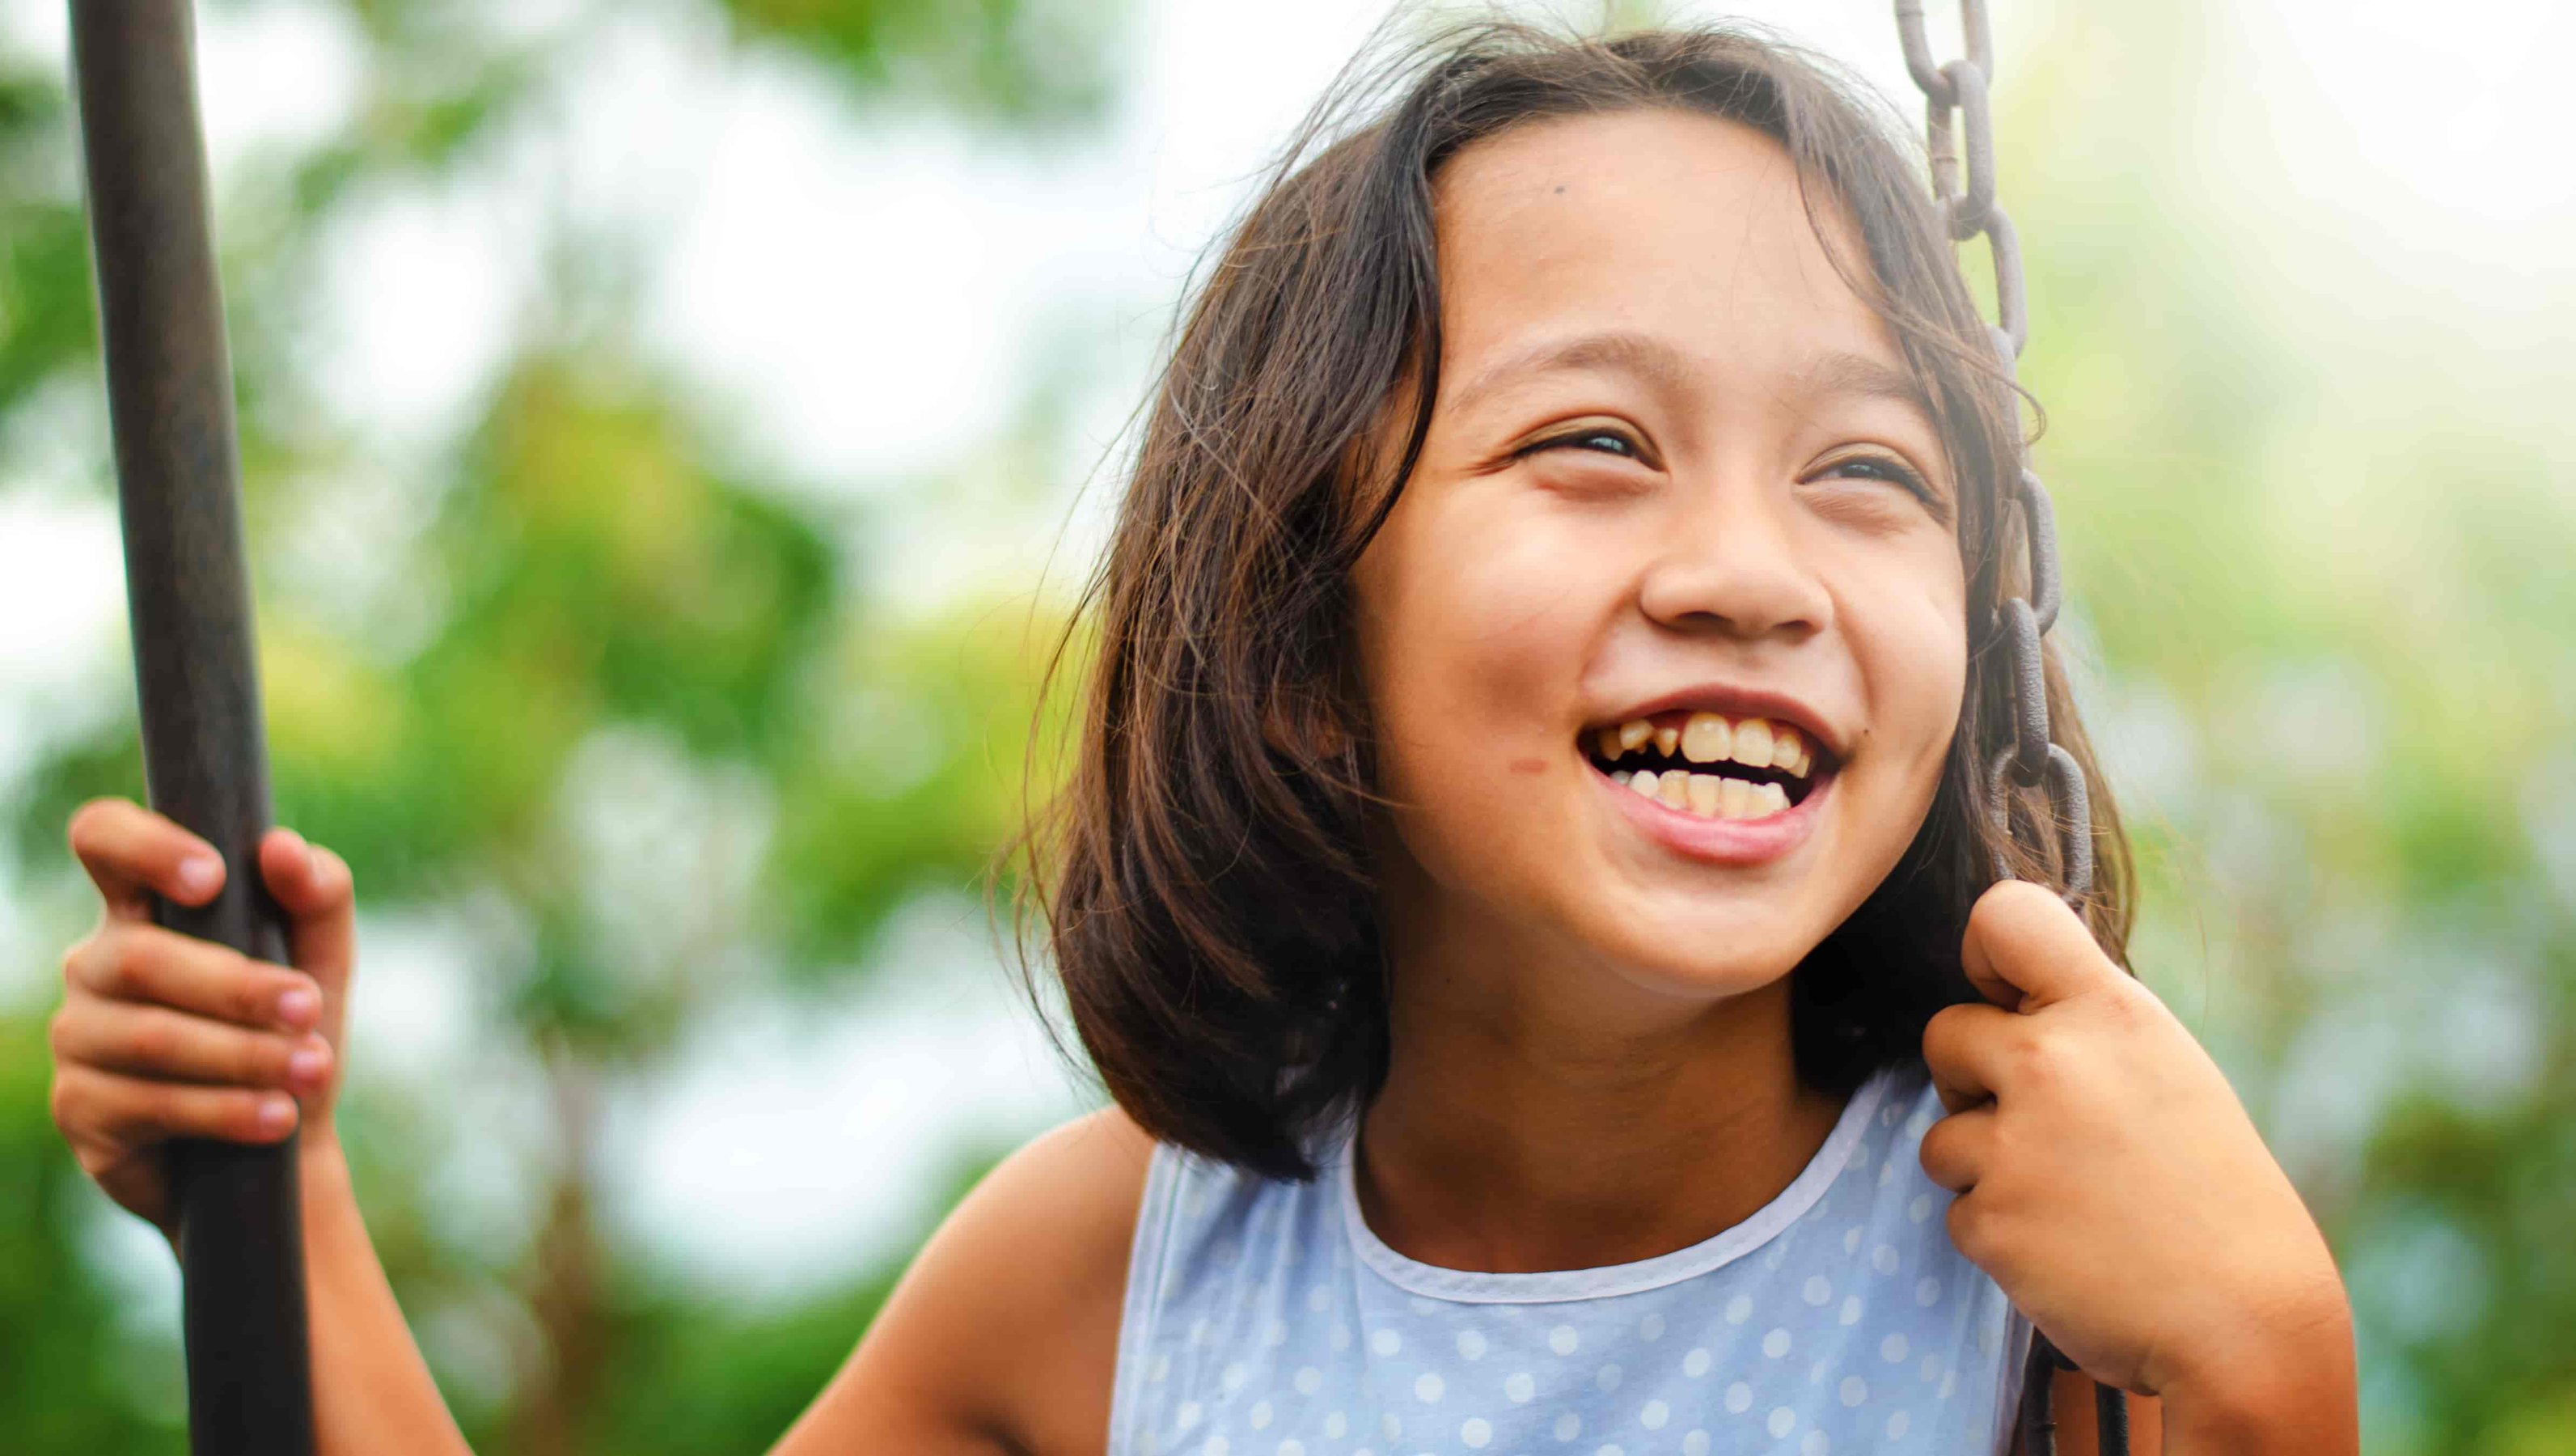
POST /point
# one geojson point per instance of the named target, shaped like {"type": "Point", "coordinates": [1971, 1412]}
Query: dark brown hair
{"type": "Point", "coordinates": [1203, 875]}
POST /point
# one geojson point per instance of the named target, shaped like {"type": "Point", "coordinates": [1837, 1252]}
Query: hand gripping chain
{"type": "Point", "coordinates": [1956, 100]}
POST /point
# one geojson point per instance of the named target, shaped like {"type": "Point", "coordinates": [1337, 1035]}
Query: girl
{"type": "Point", "coordinates": [1528, 879]}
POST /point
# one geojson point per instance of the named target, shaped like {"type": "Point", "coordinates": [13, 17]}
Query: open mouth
{"type": "Point", "coordinates": [1708, 764]}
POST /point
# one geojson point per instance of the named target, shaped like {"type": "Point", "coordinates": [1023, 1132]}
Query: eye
{"type": "Point", "coordinates": [1887, 468]}
{"type": "Point", "coordinates": [1588, 439]}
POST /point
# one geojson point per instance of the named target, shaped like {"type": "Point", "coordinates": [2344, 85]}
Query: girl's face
{"type": "Point", "coordinates": [1676, 477]}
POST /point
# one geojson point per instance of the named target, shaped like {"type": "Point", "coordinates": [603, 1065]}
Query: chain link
{"type": "Point", "coordinates": [1959, 128]}
{"type": "Point", "coordinates": [1960, 141]}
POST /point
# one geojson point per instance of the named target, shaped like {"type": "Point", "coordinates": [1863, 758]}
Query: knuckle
{"type": "Point", "coordinates": [87, 966]}
{"type": "Point", "coordinates": [87, 820]}
{"type": "Point", "coordinates": [2131, 1006]}
{"type": "Point", "coordinates": [1994, 902]}
{"type": "Point", "coordinates": [2007, 903]}
{"type": "Point", "coordinates": [219, 964]}
{"type": "Point", "coordinates": [1950, 1036]}
{"type": "Point", "coordinates": [1968, 1227]}
{"type": "Point", "coordinates": [153, 1042]}
{"type": "Point", "coordinates": [2038, 1054]}
{"type": "Point", "coordinates": [114, 969]}
{"type": "Point", "coordinates": [250, 974]}
{"type": "Point", "coordinates": [2120, 1011]}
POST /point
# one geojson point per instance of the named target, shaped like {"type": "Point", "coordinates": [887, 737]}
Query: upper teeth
{"type": "Point", "coordinates": [1711, 738]}
{"type": "Point", "coordinates": [1714, 738]}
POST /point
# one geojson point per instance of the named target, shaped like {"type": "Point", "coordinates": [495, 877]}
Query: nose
{"type": "Point", "coordinates": [1728, 562]}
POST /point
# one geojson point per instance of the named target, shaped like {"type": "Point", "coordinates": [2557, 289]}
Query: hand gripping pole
{"type": "Point", "coordinates": [170, 407]}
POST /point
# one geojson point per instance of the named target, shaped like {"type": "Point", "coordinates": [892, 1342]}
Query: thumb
{"type": "Point", "coordinates": [2025, 948]}
{"type": "Point", "coordinates": [313, 886]}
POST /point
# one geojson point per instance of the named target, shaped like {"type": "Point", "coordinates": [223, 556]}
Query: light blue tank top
{"type": "Point", "coordinates": [1263, 1318]}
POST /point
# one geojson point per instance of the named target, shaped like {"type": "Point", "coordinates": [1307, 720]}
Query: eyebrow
{"type": "Point", "coordinates": [1643, 355]}
{"type": "Point", "coordinates": [1837, 373]}
{"type": "Point", "coordinates": [1848, 375]}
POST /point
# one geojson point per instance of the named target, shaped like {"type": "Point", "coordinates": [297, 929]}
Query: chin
{"type": "Point", "coordinates": [1709, 956]}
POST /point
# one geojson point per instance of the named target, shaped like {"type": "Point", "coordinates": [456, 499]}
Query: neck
{"type": "Point", "coordinates": [1541, 1113]}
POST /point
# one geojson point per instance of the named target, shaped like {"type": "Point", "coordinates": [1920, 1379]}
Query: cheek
{"type": "Point", "coordinates": [1909, 635]}
{"type": "Point", "coordinates": [1471, 636]}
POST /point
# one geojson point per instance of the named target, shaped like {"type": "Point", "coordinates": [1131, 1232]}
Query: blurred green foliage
{"type": "Point", "coordinates": [2322, 602]}
{"type": "Point", "coordinates": [602, 608]}
{"type": "Point", "coordinates": [1002, 58]}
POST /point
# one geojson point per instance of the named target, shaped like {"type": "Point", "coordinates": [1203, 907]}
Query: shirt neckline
{"type": "Point", "coordinates": [1478, 1286]}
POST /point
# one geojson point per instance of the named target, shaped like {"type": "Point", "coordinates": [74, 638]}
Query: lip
{"type": "Point", "coordinates": [1738, 702]}
{"type": "Point", "coordinates": [1738, 842]}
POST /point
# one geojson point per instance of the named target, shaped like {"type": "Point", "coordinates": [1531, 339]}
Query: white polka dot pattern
{"type": "Point", "coordinates": [1264, 1318]}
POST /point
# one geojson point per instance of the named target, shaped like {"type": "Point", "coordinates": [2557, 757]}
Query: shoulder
{"type": "Point", "coordinates": [1003, 1333]}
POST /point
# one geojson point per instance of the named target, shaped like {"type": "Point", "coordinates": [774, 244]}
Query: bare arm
{"type": "Point", "coordinates": [1002, 1338]}
{"type": "Point", "coordinates": [372, 1391]}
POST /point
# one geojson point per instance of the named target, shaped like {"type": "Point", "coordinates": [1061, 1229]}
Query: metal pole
{"type": "Point", "coordinates": [170, 405]}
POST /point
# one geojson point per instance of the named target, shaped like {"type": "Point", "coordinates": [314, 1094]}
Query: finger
{"type": "Point", "coordinates": [131, 852]}
{"type": "Point", "coordinates": [1953, 1150]}
{"type": "Point", "coordinates": [156, 965]}
{"type": "Point", "coordinates": [1962, 1047]}
{"type": "Point", "coordinates": [2025, 948]}
{"type": "Point", "coordinates": [133, 1112]}
{"type": "Point", "coordinates": [313, 886]}
{"type": "Point", "coordinates": [157, 1043]}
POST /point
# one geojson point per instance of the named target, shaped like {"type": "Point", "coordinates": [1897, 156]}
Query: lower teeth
{"type": "Point", "coordinates": [1707, 796]}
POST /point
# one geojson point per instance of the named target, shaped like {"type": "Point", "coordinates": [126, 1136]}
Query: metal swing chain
{"type": "Point", "coordinates": [1956, 110]}
{"type": "Point", "coordinates": [1956, 101]}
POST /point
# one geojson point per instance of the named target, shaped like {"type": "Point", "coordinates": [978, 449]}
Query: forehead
{"type": "Point", "coordinates": [1672, 223]}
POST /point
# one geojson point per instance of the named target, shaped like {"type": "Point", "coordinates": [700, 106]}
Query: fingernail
{"type": "Point", "coordinates": [199, 872]}
{"type": "Point", "coordinates": [297, 1007]}
{"type": "Point", "coordinates": [307, 1065]}
{"type": "Point", "coordinates": [276, 1112]}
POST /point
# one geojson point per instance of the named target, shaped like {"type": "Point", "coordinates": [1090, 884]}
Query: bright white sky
{"type": "Point", "coordinates": [872, 301]}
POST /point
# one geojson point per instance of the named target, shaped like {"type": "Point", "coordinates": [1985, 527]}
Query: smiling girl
{"type": "Point", "coordinates": [1527, 883]}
